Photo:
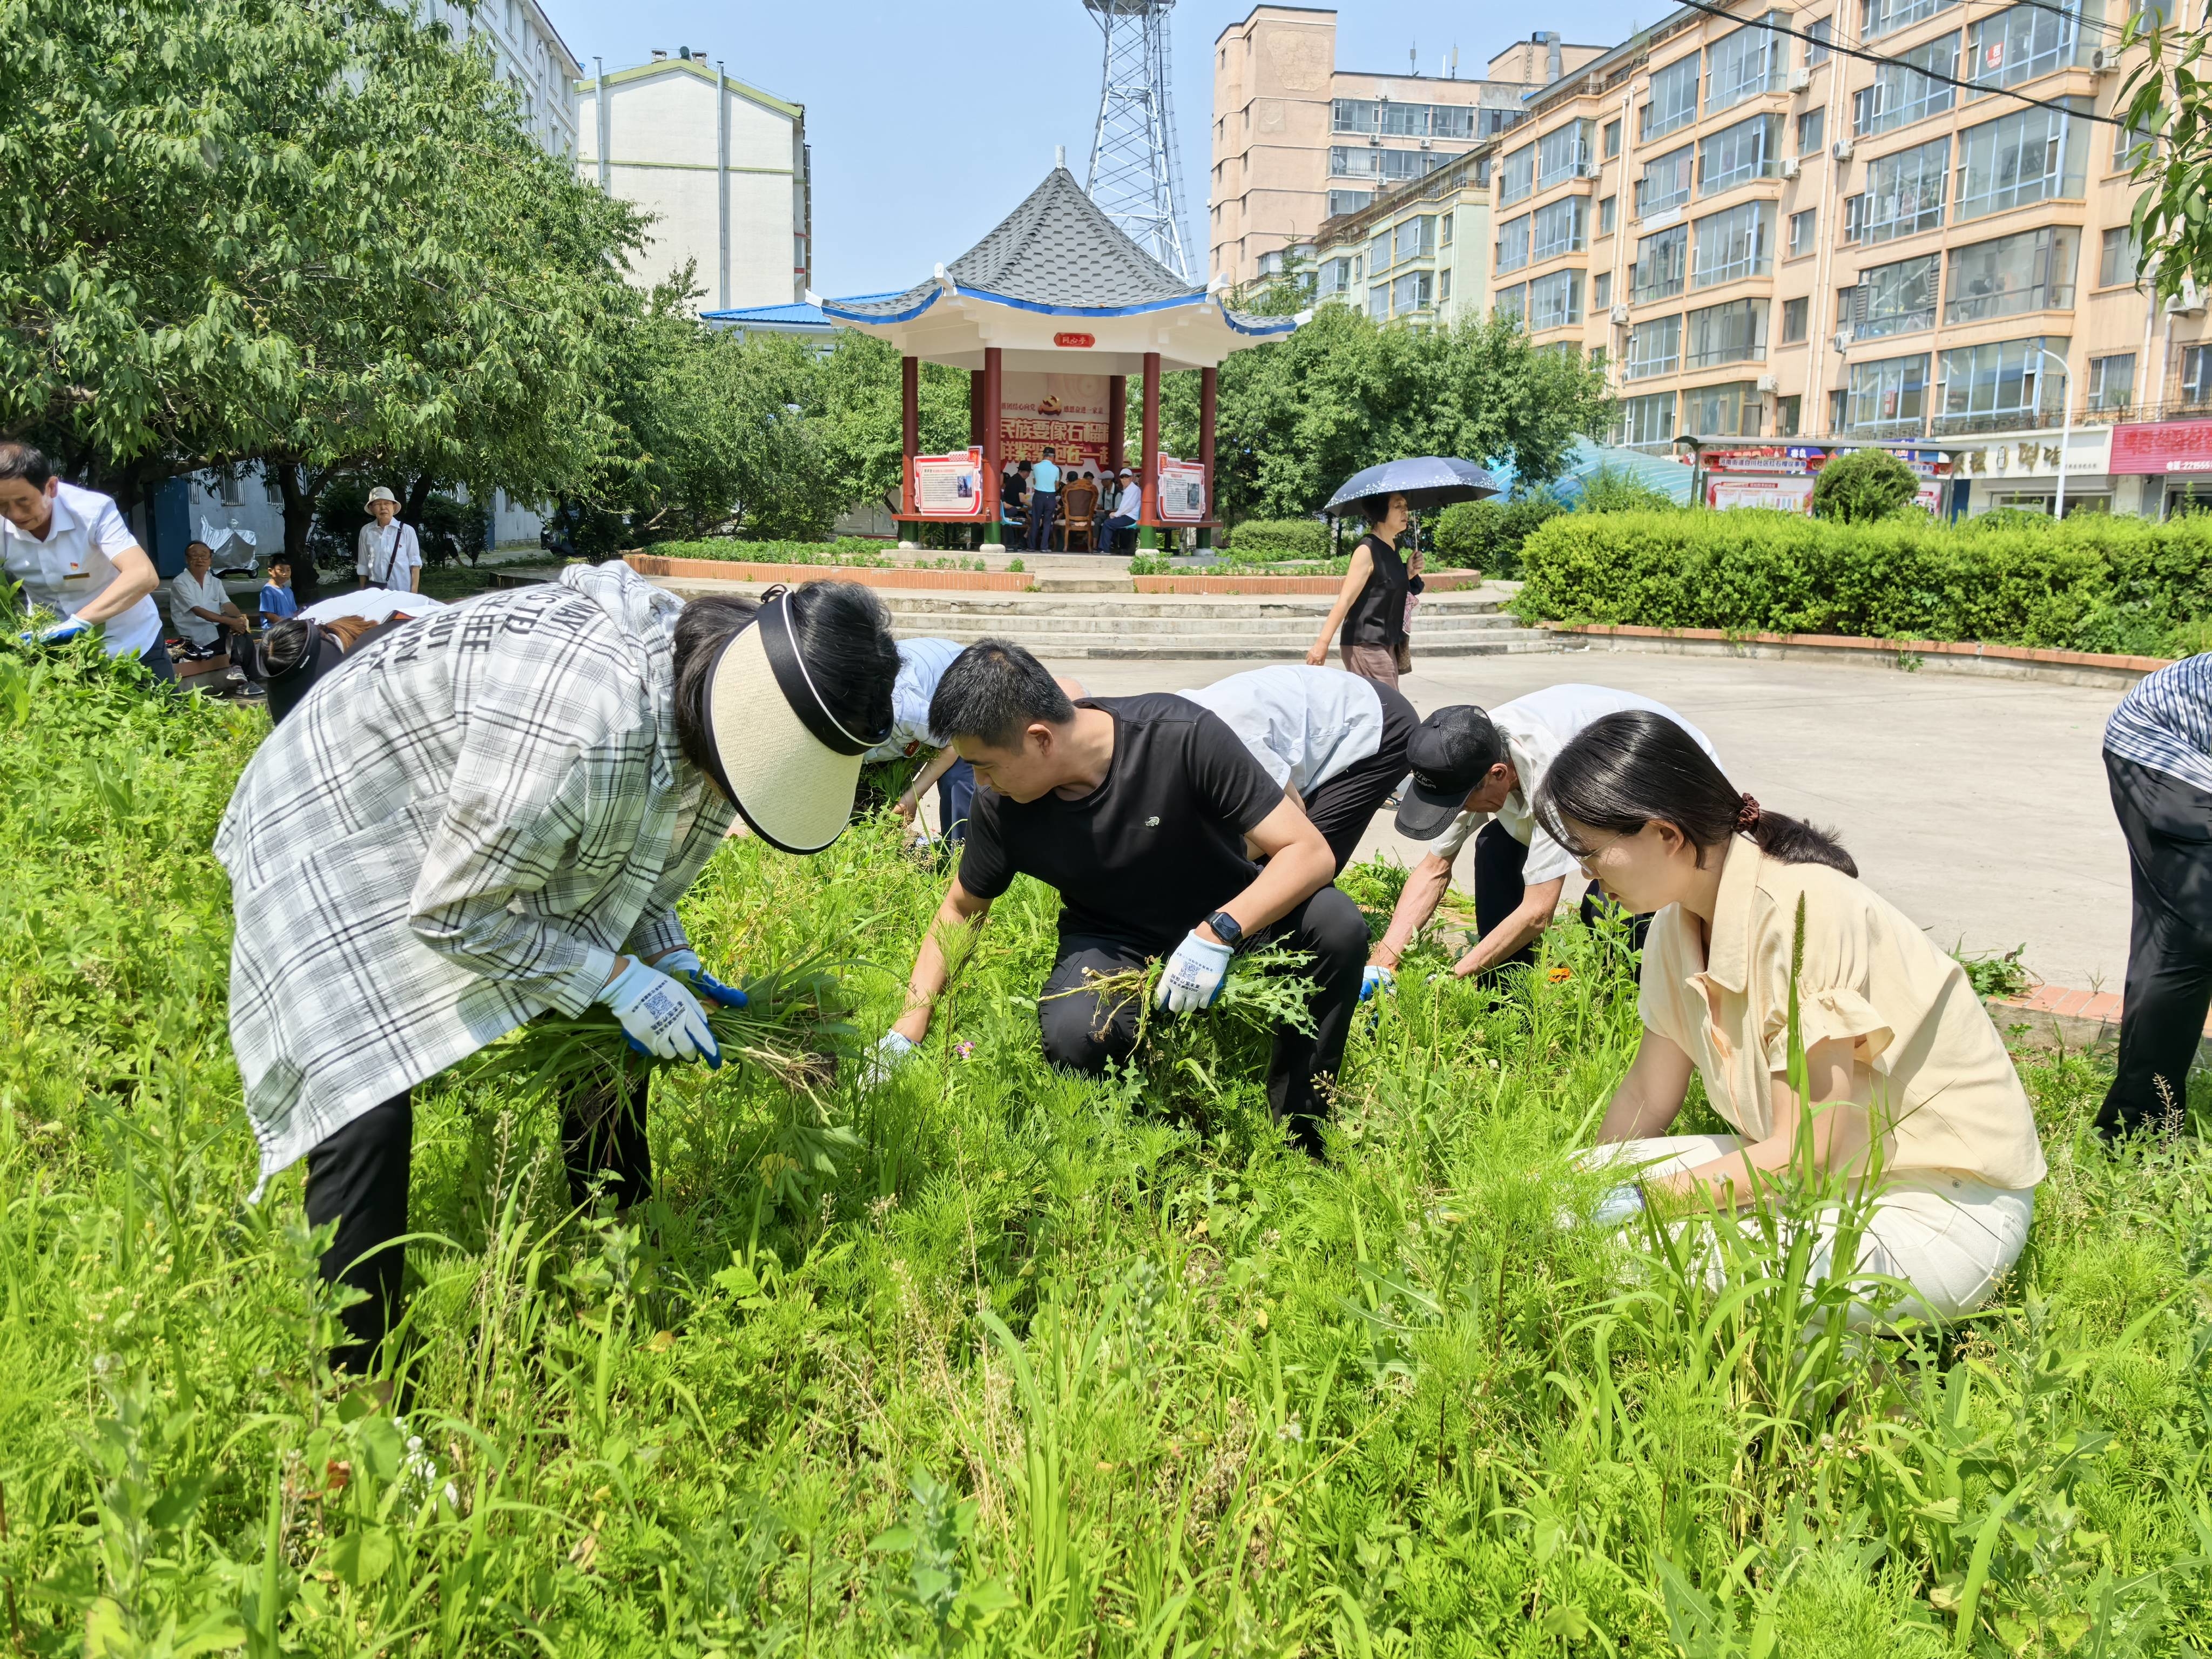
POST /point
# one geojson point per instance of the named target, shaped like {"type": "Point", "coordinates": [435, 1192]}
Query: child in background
{"type": "Point", "coordinates": [276, 601]}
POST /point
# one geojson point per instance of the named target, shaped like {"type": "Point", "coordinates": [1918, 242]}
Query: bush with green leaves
{"type": "Point", "coordinates": [1269, 539]}
{"type": "Point", "coordinates": [1487, 536]}
{"type": "Point", "coordinates": [2096, 582]}
{"type": "Point", "coordinates": [1863, 486]}
{"type": "Point", "coordinates": [858, 552]}
{"type": "Point", "coordinates": [1616, 489]}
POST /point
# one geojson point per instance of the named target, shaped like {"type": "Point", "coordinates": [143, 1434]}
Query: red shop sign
{"type": "Point", "coordinates": [1075, 339]}
{"type": "Point", "coordinates": [2163, 446]}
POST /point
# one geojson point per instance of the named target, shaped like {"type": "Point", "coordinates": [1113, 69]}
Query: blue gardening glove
{"type": "Point", "coordinates": [1618, 1207]}
{"type": "Point", "coordinates": [661, 1018]}
{"type": "Point", "coordinates": [1373, 978]}
{"type": "Point", "coordinates": [891, 1052]}
{"type": "Point", "coordinates": [1193, 976]}
{"type": "Point", "coordinates": [60, 631]}
{"type": "Point", "coordinates": [683, 964]}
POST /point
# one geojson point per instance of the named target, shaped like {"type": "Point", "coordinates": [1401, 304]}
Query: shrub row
{"type": "Point", "coordinates": [856, 550]}
{"type": "Point", "coordinates": [2093, 583]}
{"type": "Point", "coordinates": [1278, 538]}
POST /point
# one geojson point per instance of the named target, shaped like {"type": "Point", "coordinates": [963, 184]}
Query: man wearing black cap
{"type": "Point", "coordinates": [1138, 810]}
{"type": "Point", "coordinates": [1474, 776]}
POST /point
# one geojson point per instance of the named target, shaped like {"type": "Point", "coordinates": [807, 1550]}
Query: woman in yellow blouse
{"type": "Point", "coordinates": [1897, 1044]}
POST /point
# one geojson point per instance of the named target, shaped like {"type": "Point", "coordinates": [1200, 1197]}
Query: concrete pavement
{"type": "Point", "coordinates": [1979, 807]}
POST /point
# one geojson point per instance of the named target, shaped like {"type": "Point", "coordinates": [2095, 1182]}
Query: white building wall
{"type": "Point", "coordinates": [530, 55]}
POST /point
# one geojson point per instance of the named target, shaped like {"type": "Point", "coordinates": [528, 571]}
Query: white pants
{"type": "Point", "coordinates": [1948, 1236]}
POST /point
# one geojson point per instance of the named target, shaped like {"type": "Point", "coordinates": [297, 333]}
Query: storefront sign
{"type": "Point", "coordinates": [1767, 458]}
{"type": "Point", "coordinates": [1066, 411]}
{"type": "Point", "coordinates": [2163, 446]}
{"type": "Point", "coordinates": [1182, 491]}
{"type": "Point", "coordinates": [949, 486]}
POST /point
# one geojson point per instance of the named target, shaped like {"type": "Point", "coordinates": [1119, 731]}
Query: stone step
{"type": "Point", "coordinates": [1244, 647]}
{"type": "Point", "coordinates": [915, 624]}
{"type": "Point", "coordinates": [1140, 606]}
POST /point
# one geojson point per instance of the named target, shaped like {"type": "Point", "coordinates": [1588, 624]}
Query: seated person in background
{"type": "Point", "coordinates": [1334, 742]}
{"type": "Point", "coordinates": [1014, 495]}
{"type": "Point", "coordinates": [1138, 810]}
{"type": "Point", "coordinates": [277, 601]}
{"type": "Point", "coordinates": [202, 609]}
{"type": "Point", "coordinates": [1121, 523]}
{"type": "Point", "coordinates": [1475, 775]}
{"type": "Point", "coordinates": [1899, 1049]}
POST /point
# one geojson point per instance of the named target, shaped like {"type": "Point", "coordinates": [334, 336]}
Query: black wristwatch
{"type": "Point", "coordinates": [1224, 926]}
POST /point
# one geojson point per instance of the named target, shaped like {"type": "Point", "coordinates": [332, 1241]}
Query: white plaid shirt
{"type": "Point", "coordinates": [458, 828]}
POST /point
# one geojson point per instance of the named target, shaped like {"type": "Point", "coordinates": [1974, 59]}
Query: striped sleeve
{"type": "Point", "coordinates": [2166, 722]}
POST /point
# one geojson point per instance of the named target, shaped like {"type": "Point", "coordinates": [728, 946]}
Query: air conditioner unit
{"type": "Point", "coordinates": [1620, 316]}
{"type": "Point", "coordinates": [1792, 168]}
{"type": "Point", "coordinates": [2190, 302]}
{"type": "Point", "coordinates": [1841, 149]}
{"type": "Point", "coordinates": [1843, 341]}
{"type": "Point", "coordinates": [1767, 383]}
{"type": "Point", "coordinates": [1428, 143]}
{"type": "Point", "coordinates": [2104, 61]}
{"type": "Point", "coordinates": [1589, 170]}
{"type": "Point", "coordinates": [1799, 79]}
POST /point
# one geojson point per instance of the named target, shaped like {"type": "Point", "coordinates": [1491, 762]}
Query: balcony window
{"type": "Point", "coordinates": [1999, 386]}
{"type": "Point", "coordinates": [1895, 298]}
{"type": "Point", "coordinates": [1510, 304]}
{"type": "Point", "coordinates": [1347, 162]}
{"type": "Point", "coordinates": [1405, 120]}
{"type": "Point", "coordinates": [1333, 277]}
{"type": "Point", "coordinates": [1735, 156]}
{"type": "Point", "coordinates": [2111, 383]}
{"type": "Point", "coordinates": [1730, 411]}
{"type": "Point", "coordinates": [1648, 423]}
{"type": "Point", "coordinates": [1378, 252]}
{"type": "Point", "coordinates": [1803, 227]}
{"type": "Point", "coordinates": [1880, 17]}
{"type": "Point", "coordinates": [1786, 412]}
{"type": "Point", "coordinates": [1661, 264]}
{"type": "Point", "coordinates": [1512, 246]}
{"type": "Point", "coordinates": [1888, 399]}
{"type": "Point", "coordinates": [1744, 64]}
{"type": "Point", "coordinates": [1450, 121]}
{"type": "Point", "coordinates": [1555, 301]}
{"type": "Point", "coordinates": [1672, 102]}
{"type": "Point", "coordinates": [1446, 230]}
{"type": "Point", "coordinates": [1414, 239]}
{"type": "Point", "coordinates": [1731, 333]}
{"type": "Point", "coordinates": [2117, 259]}
{"type": "Point", "coordinates": [1414, 291]}
{"type": "Point", "coordinates": [1409, 163]}
{"type": "Point", "coordinates": [1612, 139]}
{"type": "Point", "coordinates": [1901, 94]}
{"type": "Point", "coordinates": [1666, 181]}
{"type": "Point", "coordinates": [2034, 155]}
{"type": "Point", "coordinates": [2033, 271]}
{"type": "Point", "coordinates": [1561, 227]}
{"type": "Point", "coordinates": [1817, 37]}
{"type": "Point", "coordinates": [2028, 41]}
{"type": "Point", "coordinates": [1444, 286]}
{"type": "Point", "coordinates": [1378, 303]}
{"type": "Point", "coordinates": [1517, 176]}
{"type": "Point", "coordinates": [1794, 314]}
{"type": "Point", "coordinates": [1812, 128]}
{"type": "Point", "coordinates": [1348, 201]}
{"type": "Point", "coordinates": [1561, 152]}
{"type": "Point", "coordinates": [1654, 347]}
{"type": "Point", "coordinates": [1733, 244]}
{"type": "Point", "coordinates": [1352, 115]}
{"type": "Point", "coordinates": [1903, 194]}
{"type": "Point", "coordinates": [2194, 389]}
{"type": "Point", "coordinates": [1600, 290]}
{"type": "Point", "coordinates": [1608, 213]}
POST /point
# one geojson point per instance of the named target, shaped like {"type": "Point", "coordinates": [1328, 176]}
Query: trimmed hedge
{"type": "Point", "coordinates": [1279, 538]}
{"type": "Point", "coordinates": [1488, 535]}
{"type": "Point", "coordinates": [2095, 583]}
{"type": "Point", "coordinates": [855, 550]}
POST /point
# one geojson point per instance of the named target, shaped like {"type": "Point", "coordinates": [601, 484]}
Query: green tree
{"type": "Point", "coordinates": [2165, 98]}
{"type": "Point", "coordinates": [1865, 484]}
{"type": "Point", "coordinates": [854, 405]}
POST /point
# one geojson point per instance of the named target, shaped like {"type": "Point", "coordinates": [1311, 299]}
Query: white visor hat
{"type": "Point", "coordinates": [789, 767]}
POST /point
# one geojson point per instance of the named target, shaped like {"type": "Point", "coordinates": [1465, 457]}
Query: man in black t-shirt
{"type": "Point", "coordinates": [1137, 809]}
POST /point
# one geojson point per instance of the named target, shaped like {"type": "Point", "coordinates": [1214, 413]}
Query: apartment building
{"type": "Point", "coordinates": [1418, 255]}
{"type": "Point", "coordinates": [1767, 237]}
{"type": "Point", "coordinates": [1296, 140]}
{"type": "Point", "coordinates": [528, 53]}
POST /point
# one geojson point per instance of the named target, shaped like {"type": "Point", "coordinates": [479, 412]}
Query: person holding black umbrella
{"type": "Point", "coordinates": [1370, 606]}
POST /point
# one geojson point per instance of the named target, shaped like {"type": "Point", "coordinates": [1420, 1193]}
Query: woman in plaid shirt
{"type": "Point", "coordinates": [491, 812]}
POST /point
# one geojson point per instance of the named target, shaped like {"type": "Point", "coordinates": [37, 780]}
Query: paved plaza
{"type": "Point", "coordinates": [1978, 805]}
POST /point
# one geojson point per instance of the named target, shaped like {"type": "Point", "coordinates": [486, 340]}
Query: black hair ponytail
{"type": "Point", "coordinates": [1623, 771]}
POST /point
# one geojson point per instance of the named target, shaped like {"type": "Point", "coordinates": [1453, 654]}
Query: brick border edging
{"type": "Point", "coordinates": [2025, 657]}
{"type": "Point", "coordinates": [2056, 1016]}
{"type": "Point", "coordinates": [748, 570]}
{"type": "Point", "coordinates": [1444, 581]}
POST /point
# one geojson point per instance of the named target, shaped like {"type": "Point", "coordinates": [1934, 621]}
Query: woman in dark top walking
{"type": "Point", "coordinates": [1370, 606]}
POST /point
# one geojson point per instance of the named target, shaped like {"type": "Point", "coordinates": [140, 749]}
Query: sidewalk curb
{"type": "Point", "coordinates": [1950, 656]}
{"type": "Point", "coordinates": [2052, 1017]}
{"type": "Point", "coordinates": [748, 570]}
{"type": "Point", "coordinates": [1441, 581]}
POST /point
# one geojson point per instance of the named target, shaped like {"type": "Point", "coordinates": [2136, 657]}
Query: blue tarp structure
{"type": "Point", "coordinates": [1661, 472]}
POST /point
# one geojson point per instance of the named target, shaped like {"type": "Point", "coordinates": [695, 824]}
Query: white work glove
{"type": "Point", "coordinates": [1193, 976]}
{"type": "Point", "coordinates": [891, 1052]}
{"type": "Point", "coordinates": [1373, 978]}
{"type": "Point", "coordinates": [660, 1017]}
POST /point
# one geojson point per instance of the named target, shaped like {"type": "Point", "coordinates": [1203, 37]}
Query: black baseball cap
{"type": "Point", "coordinates": [1448, 754]}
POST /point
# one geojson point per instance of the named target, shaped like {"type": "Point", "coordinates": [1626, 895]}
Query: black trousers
{"type": "Point", "coordinates": [2168, 826]}
{"type": "Point", "coordinates": [1342, 807]}
{"type": "Point", "coordinates": [1499, 860]}
{"type": "Point", "coordinates": [358, 1176]}
{"type": "Point", "coordinates": [1081, 1034]}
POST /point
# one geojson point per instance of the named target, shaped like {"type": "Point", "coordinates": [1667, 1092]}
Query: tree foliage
{"type": "Point", "coordinates": [2167, 97]}
{"type": "Point", "coordinates": [1863, 485]}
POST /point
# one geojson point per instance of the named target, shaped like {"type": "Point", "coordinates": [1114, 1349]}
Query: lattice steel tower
{"type": "Point", "coordinates": [1136, 173]}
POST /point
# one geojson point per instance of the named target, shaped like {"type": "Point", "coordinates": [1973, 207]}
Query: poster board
{"type": "Point", "coordinates": [1182, 491]}
{"type": "Point", "coordinates": [1787, 494]}
{"type": "Point", "coordinates": [949, 486]}
{"type": "Point", "coordinates": [1067, 411]}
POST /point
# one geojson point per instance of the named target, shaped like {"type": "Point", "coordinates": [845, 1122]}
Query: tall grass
{"type": "Point", "coordinates": [996, 1361]}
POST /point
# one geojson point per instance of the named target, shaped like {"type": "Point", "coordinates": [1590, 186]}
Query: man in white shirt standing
{"type": "Point", "coordinates": [387, 553]}
{"type": "Point", "coordinates": [74, 556]}
{"type": "Point", "coordinates": [1474, 777]}
{"type": "Point", "coordinates": [204, 613]}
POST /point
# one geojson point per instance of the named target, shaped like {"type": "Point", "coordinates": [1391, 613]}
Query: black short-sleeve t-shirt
{"type": "Point", "coordinates": [1151, 852]}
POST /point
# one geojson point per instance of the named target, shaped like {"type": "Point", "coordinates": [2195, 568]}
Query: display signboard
{"type": "Point", "coordinates": [2163, 446]}
{"type": "Point", "coordinates": [1065, 411]}
{"type": "Point", "coordinates": [949, 486]}
{"type": "Point", "coordinates": [1182, 491]}
{"type": "Point", "coordinates": [1787, 493]}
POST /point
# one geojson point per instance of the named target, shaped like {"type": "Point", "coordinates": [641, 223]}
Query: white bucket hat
{"type": "Point", "coordinates": [790, 767]}
{"type": "Point", "coordinates": [380, 494]}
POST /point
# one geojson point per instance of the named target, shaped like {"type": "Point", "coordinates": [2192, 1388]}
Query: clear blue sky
{"type": "Point", "coordinates": [930, 122]}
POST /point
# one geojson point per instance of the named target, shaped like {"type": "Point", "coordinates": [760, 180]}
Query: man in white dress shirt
{"type": "Point", "coordinates": [73, 556]}
{"type": "Point", "coordinates": [387, 553]}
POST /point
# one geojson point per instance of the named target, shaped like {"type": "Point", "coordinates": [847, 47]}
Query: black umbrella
{"type": "Point", "coordinates": [1424, 481]}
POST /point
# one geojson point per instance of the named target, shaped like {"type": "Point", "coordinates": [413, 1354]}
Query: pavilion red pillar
{"type": "Point", "coordinates": [975, 406]}
{"type": "Point", "coordinates": [1117, 421]}
{"type": "Point", "coordinates": [1148, 466]}
{"type": "Point", "coordinates": [1209, 382]}
{"type": "Point", "coordinates": [993, 393]}
{"type": "Point", "coordinates": [909, 426]}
